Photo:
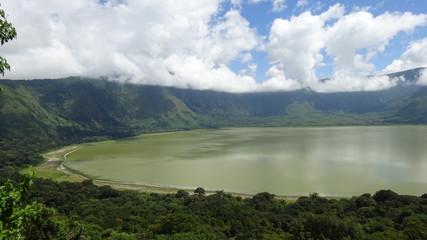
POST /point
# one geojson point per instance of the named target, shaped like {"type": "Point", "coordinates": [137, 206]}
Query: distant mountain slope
{"type": "Point", "coordinates": [39, 114]}
{"type": "Point", "coordinates": [407, 76]}
{"type": "Point", "coordinates": [93, 106]}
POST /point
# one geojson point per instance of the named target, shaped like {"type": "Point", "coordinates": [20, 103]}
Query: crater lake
{"type": "Point", "coordinates": [292, 161]}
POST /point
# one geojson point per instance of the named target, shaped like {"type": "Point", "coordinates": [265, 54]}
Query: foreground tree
{"type": "Point", "coordinates": [20, 219]}
{"type": "Point", "coordinates": [15, 214]}
{"type": "Point", "coordinates": [7, 33]}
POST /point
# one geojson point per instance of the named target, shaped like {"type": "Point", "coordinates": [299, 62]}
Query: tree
{"type": "Point", "coordinates": [15, 214]}
{"type": "Point", "coordinates": [7, 33]}
{"type": "Point", "coordinates": [200, 191]}
{"type": "Point", "coordinates": [385, 195]}
{"type": "Point", "coordinates": [181, 193]}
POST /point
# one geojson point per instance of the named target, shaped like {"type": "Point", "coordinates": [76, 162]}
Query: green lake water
{"type": "Point", "coordinates": [332, 161]}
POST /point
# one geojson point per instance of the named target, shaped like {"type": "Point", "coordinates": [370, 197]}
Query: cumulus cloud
{"type": "Point", "coordinates": [192, 72]}
{"type": "Point", "coordinates": [362, 31]}
{"type": "Point", "coordinates": [279, 81]}
{"type": "Point", "coordinates": [414, 56]}
{"type": "Point", "coordinates": [348, 83]}
{"type": "Point", "coordinates": [228, 38]}
{"type": "Point", "coordinates": [138, 41]}
{"type": "Point", "coordinates": [295, 44]}
{"type": "Point", "coordinates": [352, 40]}
{"type": "Point", "coordinates": [192, 43]}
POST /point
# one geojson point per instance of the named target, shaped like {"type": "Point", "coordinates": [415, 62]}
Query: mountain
{"type": "Point", "coordinates": [407, 76]}
{"type": "Point", "coordinates": [40, 114]}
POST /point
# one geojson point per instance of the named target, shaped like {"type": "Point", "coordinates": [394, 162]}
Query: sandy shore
{"type": "Point", "coordinates": [56, 159]}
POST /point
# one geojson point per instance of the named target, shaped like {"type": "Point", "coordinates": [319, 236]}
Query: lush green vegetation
{"type": "Point", "coordinates": [38, 115]}
{"type": "Point", "coordinates": [86, 211]}
{"type": "Point", "coordinates": [43, 114]}
{"type": "Point", "coordinates": [7, 33]}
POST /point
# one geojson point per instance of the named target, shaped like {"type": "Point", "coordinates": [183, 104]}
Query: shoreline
{"type": "Point", "coordinates": [60, 172]}
{"type": "Point", "coordinates": [58, 162]}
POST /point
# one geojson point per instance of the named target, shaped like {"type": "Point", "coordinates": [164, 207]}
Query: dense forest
{"type": "Point", "coordinates": [39, 115]}
{"type": "Point", "coordinates": [68, 210]}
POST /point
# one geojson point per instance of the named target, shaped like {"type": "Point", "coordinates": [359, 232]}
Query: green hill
{"type": "Point", "coordinates": [39, 114]}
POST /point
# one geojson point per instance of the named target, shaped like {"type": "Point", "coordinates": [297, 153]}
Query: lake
{"type": "Point", "coordinates": [331, 161]}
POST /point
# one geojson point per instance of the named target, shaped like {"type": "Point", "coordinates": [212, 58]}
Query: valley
{"type": "Point", "coordinates": [40, 115]}
{"type": "Point", "coordinates": [213, 120]}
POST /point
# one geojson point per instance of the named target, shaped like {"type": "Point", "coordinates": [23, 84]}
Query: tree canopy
{"type": "Point", "coordinates": [7, 33]}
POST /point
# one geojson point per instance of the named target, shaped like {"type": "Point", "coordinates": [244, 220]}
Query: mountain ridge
{"type": "Point", "coordinates": [41, 114]}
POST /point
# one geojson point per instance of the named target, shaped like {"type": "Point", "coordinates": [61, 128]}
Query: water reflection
{"type": "Point", "coordinates": [338, 161]}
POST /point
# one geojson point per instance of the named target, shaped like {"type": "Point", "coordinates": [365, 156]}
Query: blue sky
{"type": "Point", "coordinates": [261, 17]}
{"type": "Point", "coordinates": [224, 45]}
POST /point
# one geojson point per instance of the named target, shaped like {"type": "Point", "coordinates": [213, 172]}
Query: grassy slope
{"type": "Point", "coordinates": [40, 114]}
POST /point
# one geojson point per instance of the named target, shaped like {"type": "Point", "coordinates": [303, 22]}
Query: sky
{"type": "Point", "coordinates": [224, 45]}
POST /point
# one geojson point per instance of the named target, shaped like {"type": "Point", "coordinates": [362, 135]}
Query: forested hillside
{"type": "Point", "coordinates": [85, 211]}
{"type": "Point", "coordinates": [40, 114]}
{"type": "Point", "coordinates": [257, 47]}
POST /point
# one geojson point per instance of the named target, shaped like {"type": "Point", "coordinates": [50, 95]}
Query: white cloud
{"type": "Point", "coordinates": [423, 77]}
{"type": "Point", "coordinates": [278, 5]}
{"type": "Point", "coordinates": [191, 44]}
{"type": "Point", "coordinates": [246, 57]}
{"type": "Point", "coordinates": [334, 12]}
{"type": "Point", "coordinates": [302, 3]}
{"type": "Point", "coordinates": [414, 56]}
{"type": "Point", "coordinates": [139, 41]}
{"type": "Point", "coordinates": [228, 38]}
{"type": "Point", "coordinates": [252, 67]}
{"type": "Point", "coordinates": [236, 3]}
{"type": "Point", "coordinates": [295, 46]}
{"type": "Point", "coordinates": [48, 62]}
{"type": "Point", "coordinates": [279, 81]}
{"type": "Point", "coordinates": [192, 72]}
{"type": "Point", "coordinates": [344, 82]}
{"type": "Point", "coordinates": [362, 31]}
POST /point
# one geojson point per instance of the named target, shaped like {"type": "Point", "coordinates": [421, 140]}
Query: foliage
{"type": "Point", "coordinates": [14, 213]}
{"type": "Point", "coordinates": [83, 210]}
{"type": "Point", "coordinates": [181, 194]}
{"type": "Point", "coordinates": [200, 191]}
{"type": "Point", "coordinates": [43, 114]}
{"type": "Point", "coordinates": [22, 218]}
{"type": "Point", "coordinates": [7, 33]}
{"type": "Point", "coordinates": [37, 115]}
{"type": "Point", "coordinates": [136, 215]}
